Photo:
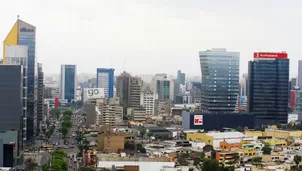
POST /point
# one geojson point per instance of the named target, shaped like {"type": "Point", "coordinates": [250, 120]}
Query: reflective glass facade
{"type": "Point", "coordinates": [69, 86]}
{"type": "Point", "coordinates": [220, 80]}
{"type": "Point", "coordinates": [163, 89]}
{"type": "Point", "coordinates": [268, 89]}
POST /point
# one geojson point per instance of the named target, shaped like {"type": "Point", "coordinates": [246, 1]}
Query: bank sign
{"type": "Point", "coordinates": [95, 93]}
{"type": "Point", "coordinates": [198, 119]}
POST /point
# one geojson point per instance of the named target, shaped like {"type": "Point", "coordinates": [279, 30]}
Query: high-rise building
{"type": "Point", "coordinates": [220, 80]}
{"type": "Point", "coordinates": [174, 89]}
{"type": "Point", "coordinates": [105, 79]}
{"type": "Point", "coordinates": [181, 77]}
{"type": "Point", "coordinates": [244, 85]}
{"type": "Point", "coordinates": [68, 82]}
{"type": "Point", "coordinates": [123, 90]}
{"type": "Point", "coordinates": [40, 103]}
{"type": "Point", "coordinates": [148, 98]}
{"type": "Point", "coordinates": [135, 92]}
{"type": "Point", "coordinates": [268, 87]}
{"type": "Point", "coordinates": [293, 85]}
{"type": "Point", "coordinates": [300, 74]}
{"type": "Point", "coordinates": [11, 104]}
{"type": "Point", "coordinates": [18, 55]}
{"type": "Point", "coordinates": [23, 33]}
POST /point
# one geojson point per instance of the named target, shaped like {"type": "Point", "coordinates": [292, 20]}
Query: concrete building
{"type": "Point", "coordinates": [220, 80]}
{"type": "Point", "coordinates": [293, 85]}
{"type": "Point", "coordinates": [122, 90]}
{"type": "Point", "coordinates": [174, 89]}
{"type": "Point", "coordinates": [268, 94]}
{"type": "Point", "coordinates": [23, 33]}
{"type": "Point", "coordinates": [135, 92]}
{"type": "Point", "coordinates": [162, 86]}
{"type": "Point", "coordinates": [68, 82]}
{"type": "Point", "coordinates": [181, 77]}
{"type": "Point", "coordinates": [148, 101]}
{"type": "Point", "coordinates": [11, 103]}
{"type": "Point", "coordinates": [105, 80]}
{"type": "Point", "coordinates": [91, 113]}
{"type": "Point", "coordinates": [40, 102]}
{"type": "Point", "coordinates": [162, 107]}
{"type": "Point", "coordinates": [138, 114]}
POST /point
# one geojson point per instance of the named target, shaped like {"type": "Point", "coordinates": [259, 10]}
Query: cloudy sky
{"type": "Point", "coordinates": [152, 36]}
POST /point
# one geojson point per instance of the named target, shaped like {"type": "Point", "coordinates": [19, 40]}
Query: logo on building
{"type": "Point", "coordinates": [93, 92]}
{"type": "Point", "coordinates": [198, 119]}
{"type": "Point", "coordinates": [26, 30]}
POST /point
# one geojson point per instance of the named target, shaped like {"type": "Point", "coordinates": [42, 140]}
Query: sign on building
{"type": "Point", "coordinates": [93, 93]}
{"type": "Point", "coordinates": [198, 119]}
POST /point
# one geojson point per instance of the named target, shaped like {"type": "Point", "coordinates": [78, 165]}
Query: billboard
{"type": "Point", "coordinates": [198, 119]}
{"type": "Point", "coordinates": [93, 93]}
{"type": "Point", "coordinates": [270, 55]}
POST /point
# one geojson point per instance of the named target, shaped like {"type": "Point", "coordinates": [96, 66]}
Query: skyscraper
{"type": "Point", "coordinates": [123, 90]}
{"type": "Point", "coordinates": [268, 87]}
{"type": "Point", "coordinates": [300, 74]}
{"type": "Point", "coordinates": [220, 80]}
{"type": "Point", "coordinates": [105, 79]}
{"type": "Point", "coordinates": [135, 92]}
{"type": "Point", "coordinates": [23, 33]}
{"type": "Point", "coordinates": [11, 105]}
{"type": "Point", "coordinates": [68, 82]}
{"type": "Point", "coordinates": [181, 77]}
{"type": "Point", "coordinates": [40, 103]}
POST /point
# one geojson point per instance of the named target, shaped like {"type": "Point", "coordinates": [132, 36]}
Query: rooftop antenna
{"type": "Point", "coordinates": [125, 64]}
{"type": "Point", "coordinates": [18, 16]}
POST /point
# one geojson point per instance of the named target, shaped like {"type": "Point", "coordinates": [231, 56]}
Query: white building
{"type": "Point", "coordinates": [230, 137]}
{"type": "Point", "coordinates": [148, 101]}
{"type": "Point", "coordinates": [18, 55]}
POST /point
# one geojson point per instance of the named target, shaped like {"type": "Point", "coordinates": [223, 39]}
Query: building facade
{"type": "Point", "coordinates": [148, 98]}
{"type": "Point", "coordinates": [40, 102]}
{"type": "Point", "coordinates": [105, 79]}
{"type": "Point", "coordinates": [135, 92]}
{"type": "Point", "coordinates": [181, 77]}
{"type": "Point", "coordinates": [220, 80]}
{"type": "Point", "coordinates": [68, 82]}
{"type": "Point", "coordinates": [11, 103]}
{"type": "Point", "coordinates": [122, 90]}
{"type": "Point", "coordinates": [300, 74]}
{"type": "Point", "coordinates": [23, 33]}
{"type": "Point", "coordinates": [268, 87]}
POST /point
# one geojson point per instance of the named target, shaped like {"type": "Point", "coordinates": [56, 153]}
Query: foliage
{"type": "Point", "coordinates": [213, 165]}
{"type": "Point", "coordinates": [142, 132]}
{"type": "Point", "coordinates": [266, 149]}
{"type": "Point", "coordinates": [150, 134]}
{"type": "Point", "coordinates": [207, 148]}
{"type": "Point", "coordinates": [64, 131]}
{"type": "Point", "coordinates": [57, 113]}
{"type": "Point", "coordinates": [257, 160]}
{"type": "Point", "coordinates": [297, 160]}
{"type": "Point", "coordinates": [66, 123]}
{"type": "Point", "coordinates": [67, 112]}
{"type": "Point", "coordinates": [86, 169]}
{"type": "Point", "coordinates": [58, 162]}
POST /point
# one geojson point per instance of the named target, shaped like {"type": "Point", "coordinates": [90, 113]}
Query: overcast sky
{"type": "Point", "coordinates": [155, 36]}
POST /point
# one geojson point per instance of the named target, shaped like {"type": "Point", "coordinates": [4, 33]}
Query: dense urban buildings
{"type": "Point", "coordinates": [11, 103]}
{"type": "Point", "coordinates": [148, 98]}
{"type": "Point", "coordinates": [300, 73]}
{"type": "Point", "coordinates": [220, 80]}
{"type": "Point", "coordinates": [135, 92]}
{"type": "Point", "coordinates": [123, 89]}
{"type": "Point", "coordinates": [105, 79]}
{"type": "Point", "coordinates": [23, 33]}
{"type": "Point", "coordinates": [68, 82]}
{"type": "Point", "coordinates": [268, 87]}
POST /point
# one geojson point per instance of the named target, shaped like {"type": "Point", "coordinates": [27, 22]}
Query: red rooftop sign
{"type": "Point", "coordinates": [270, 55]}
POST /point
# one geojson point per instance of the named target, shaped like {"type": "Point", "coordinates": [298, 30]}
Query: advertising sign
{"type": "Point", "coordinates": [26, 29]}
{"type": "Point", "coordinates": [270, 55]}
{"type": "Point", "coordinates": [94, 92]}
{"type": "Point", "coordinates": [198, 119]}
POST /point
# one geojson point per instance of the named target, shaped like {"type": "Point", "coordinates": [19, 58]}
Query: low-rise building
{"type": "Point", "coordinates": [276, 142]}
{"type": "Point", "coordinates": [227, 158]}
{"type": "Point", "coordinates": [228, 146]}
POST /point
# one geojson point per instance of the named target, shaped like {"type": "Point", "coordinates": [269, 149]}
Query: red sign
{"type": "Point", "coordinates": [270, 55]}
{"type": "Point", "coordinates": [198, 120]}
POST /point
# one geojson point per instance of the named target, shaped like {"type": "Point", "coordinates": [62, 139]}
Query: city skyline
{"type": "Point", "coordinates": [154, 37]}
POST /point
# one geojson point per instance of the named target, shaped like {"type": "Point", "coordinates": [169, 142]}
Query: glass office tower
{"type": "Point", "coordinates": [68, 82]}
{"type": "Point", "coordinates": [268, 87]}
{"type": "Point", "coordinates": [220, 80]}
{"type": "Point", "coordinates": [105, 79]}
{"type": "Point", "coordinates": [23, 33]}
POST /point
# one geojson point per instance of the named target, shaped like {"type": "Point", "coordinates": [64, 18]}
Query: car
{"type": "Point", "coordinates": [71, 146]}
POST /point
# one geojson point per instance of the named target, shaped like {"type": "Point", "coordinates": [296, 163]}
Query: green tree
{"type": "Point", "coordinates": [256, 160]}
{"type": "Point", "coordinates": [66, 123]}
{"type": "Point", "coordinates": [64, 131]}
{"type": "Point", "coordinates": [210, 165]}
{"type": "Point", "coordinates": [57, 113]}
{"type": "Point", "coordinates": [142, 132]}
{"type": "Point", "coordinates": [67, 112]}
{"type": "Point", "coordinates": [266, 149]}
{"type": "Point", "coordinates": [297, 160]}
{"type": "Point", "coordinates": [239, 129]}
{"type": "Point", "coordinates": [30, 165]}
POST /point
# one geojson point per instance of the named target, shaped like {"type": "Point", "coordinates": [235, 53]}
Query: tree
{"type": "Point", "coordinates": [239, 129]}
{"type": "Point", "coordinates": [64, 131]}
{"type": "Point", "coordinates": [266, 149]}
{"type": "Point", "coordinates": [142, 132]}
{"type": "Point", "coordinates": [57, 113]}
{"type": "Point", "coordinates": [66, 123]}
{"type": "Point", "coordinates": [279, 126]}
{"type": "Point", "coordinates": [210, 165]}
{"type": "Point", "coordinates": [256, 160]}
{"type": "Point", "coordinates": [67, 112]}
{"type": "Point", "coordinates": [297, 160]}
